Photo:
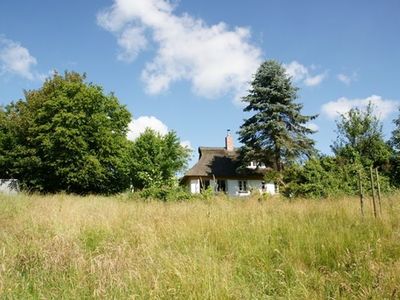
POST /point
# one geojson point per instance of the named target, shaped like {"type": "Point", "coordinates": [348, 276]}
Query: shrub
{"type": "Point", "coordinates": [166, 193]}
{"type": "Point", "coordinates": [328, 177]}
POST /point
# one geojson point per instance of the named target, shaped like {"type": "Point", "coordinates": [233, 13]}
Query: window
{"type": "Point", "coordinates": [242, 186]}
{"type": "Point", "coordinates": [221, 185]}
{"type": "Point", "coordinates": [252, 165]}
{"type": "Point", "coordinates": [263, 186]}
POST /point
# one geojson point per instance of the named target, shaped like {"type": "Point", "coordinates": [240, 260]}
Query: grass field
{"type": "Point", "coordinates": [96, 247]}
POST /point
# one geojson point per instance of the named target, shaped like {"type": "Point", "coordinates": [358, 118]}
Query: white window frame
{"type": "Point", "coordinates": [242, 184]}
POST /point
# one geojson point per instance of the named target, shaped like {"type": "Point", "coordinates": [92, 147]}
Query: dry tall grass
{"type": "Point", "coordinates": [94, 247]}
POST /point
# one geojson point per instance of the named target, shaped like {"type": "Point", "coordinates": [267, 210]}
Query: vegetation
{"type": "Point", "coordinates": [69, 136]}
{"type": "Point", "coordinates": [359, 146]}
{"type": "Point", "coordinates": [395, 159]}
{"type": "Point", "coordinates": [320, 177]}
{"type": "Point", "coordinates": [360, 139]}
{"type": "Point", "coordinates": [395, 140]}
{"type": "Point", "coordinates": [277, 130]}
{"type": "Point", "coordinates": [155, 159]}
{"type": "Point", "coordinates": [66, 136]}
{"type": "Point", "coordinates": [115, 248]}
{"type": "Point", "coordinates": [276, 134]}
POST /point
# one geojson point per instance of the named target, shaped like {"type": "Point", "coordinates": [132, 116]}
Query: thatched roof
{"type": "Point", "coordinates": [218, 162]}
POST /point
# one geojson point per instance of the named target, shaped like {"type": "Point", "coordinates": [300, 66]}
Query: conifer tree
{"type": "Point", "coordinates": [276, 133]}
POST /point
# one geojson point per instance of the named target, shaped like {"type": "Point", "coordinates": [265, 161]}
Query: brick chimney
{"type": "Point", "coordinates": [229, 141]}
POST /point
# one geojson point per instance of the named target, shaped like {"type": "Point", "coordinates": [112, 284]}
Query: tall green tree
{"type": "Point", "coordinates": [395, 140]}
{"type": "Point", "coordinates": [156, 159]}
{"type": "Point", "coordinates": [276, 132]}
{"type": "Point", "coordinates": [360, 139]}
{"type": "Point", "coordinates": [395, 159]}
{"type": "Point", "coordinates": [66, 136]}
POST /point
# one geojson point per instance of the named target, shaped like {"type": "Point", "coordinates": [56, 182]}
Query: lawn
{"type": "Point", "coordinates": [54, 247]}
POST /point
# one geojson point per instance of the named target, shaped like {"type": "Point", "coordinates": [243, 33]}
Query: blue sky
{"type": "Point", "coordinates": [183, 65]}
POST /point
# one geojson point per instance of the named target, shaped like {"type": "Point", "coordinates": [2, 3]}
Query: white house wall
{"type": "Point", "coordinates": [9, 186]}
{"type": "Point", "coordinates": [252, 185]}
{"type": "Point", "coordinates": [232, 187]}
{"type": "Point", "coordinates": [195, 186]}
{"type": "Point", "coordinates": [270, 188]}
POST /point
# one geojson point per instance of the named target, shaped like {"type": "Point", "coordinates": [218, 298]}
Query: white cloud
{"type": "Point", "coordinates": [139, 125]}
{"type": "Point", "coordinates": [347, 79]}
{"type": "Point", "coordinates": [215, 59]}
{"type": "Point", "coordinates": [301, 73]}
{"type": "Point", "coordinates": [296, 70]}
{"type": "Point", "coordinates": [382, 107]}
{"type": "Point", "coordinates": [314, 80]}
{"type": "Point", "coordinates": [312, 126]}
{"type": "Point", "coordinates": [131, 42]}
{"type": "Point", "coordinates": [17, 60]}
{"type": "Point", "coordinates": [344, 78]}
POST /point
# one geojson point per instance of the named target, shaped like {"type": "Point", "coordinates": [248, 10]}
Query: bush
{"type": "Point", "coordinates": [328, 177]}
{"type": "Point", "coordinates": [166, 193]}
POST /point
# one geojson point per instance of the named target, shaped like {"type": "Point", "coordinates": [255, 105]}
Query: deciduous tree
{"type": "Point", "coordinates": [360, 139]}
{"type": "Point", "coordinates": [156, 159]}
{"type": "Point", "coordinates": [395, 159]}
{"type": "Point", "coordinates": [67, 136]}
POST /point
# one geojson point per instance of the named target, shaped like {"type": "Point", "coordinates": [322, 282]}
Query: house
{"type": "Point", "coordinates": [218, 168]}
{"type": "Point", "coordinates": [9, 186]}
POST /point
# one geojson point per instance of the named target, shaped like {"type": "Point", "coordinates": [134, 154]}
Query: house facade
{"type": "Point", "coordinates": [218, 168]}
{"type": "Point", "coordinates": [9, 186]}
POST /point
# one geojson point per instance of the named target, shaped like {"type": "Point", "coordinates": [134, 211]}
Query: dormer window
{"type": "Point", "coordinates": [253, 165]}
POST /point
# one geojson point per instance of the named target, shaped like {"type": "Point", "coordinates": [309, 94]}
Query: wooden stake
{"type": "Point", "coordinates": [361, 193]}
{"type": "Point", "coordinates": [373, 191]}
{"type": "Point", "coordinates": [379, 190]}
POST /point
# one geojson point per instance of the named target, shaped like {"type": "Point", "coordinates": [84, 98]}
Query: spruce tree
{"type": "Point", "coordinates": [276, 133]}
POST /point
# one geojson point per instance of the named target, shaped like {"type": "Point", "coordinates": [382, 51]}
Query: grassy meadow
{"type": "Point", "coordinates": [59, 247]}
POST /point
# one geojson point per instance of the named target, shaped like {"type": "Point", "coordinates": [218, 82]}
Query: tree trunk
{"type": "Point", "coordinates": [278, 164]}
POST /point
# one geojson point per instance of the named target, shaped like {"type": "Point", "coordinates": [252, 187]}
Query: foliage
{"type": "Point", "coordinates": [155, 159]}
{"type": "Point", "coordinates": [277, 129]}
{"type": "Point", "coordinates": [166, 193]}
{"type": "Point", "coordinates": [359, 146]}
{"type": "Point", "coordinates": [326, 176]}
{"type": "Point", "coordinates": [69, 247]}
{"type": "Point", "coordinates": [395, 159]}
{"type": "Point", "coordinates": [360, 139]}
{"type": "Point", "coordinates": [66, 136]}
{"type": "Point", "coordinates": [207, 194]}
{"type": "Point", "coordinates": [395, 140]}
{"type": "Point", "coordinates": [395, 170]}
{"type": "Point", "coordinates": [318, 177]}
